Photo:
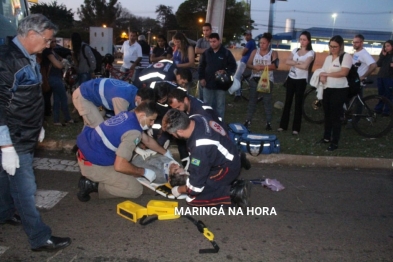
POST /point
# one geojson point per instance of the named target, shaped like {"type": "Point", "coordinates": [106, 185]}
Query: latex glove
{"type": "Point", "coordinates": [150, 132]}
{"type": "Point", "coordinates": [144, 153]}
{"type": "Point", "coordinates": [175, 191]}
{"type": "Point", "coordinates": [42, 135]}
{"type": "Point", "coordinates": [168, 154]}
{"type": "Point", "coordinates": [166, 144]}
{"type": "Point", "coordinates": [149, 175]}
{"type": "Point", "coordinates": [9, 160]}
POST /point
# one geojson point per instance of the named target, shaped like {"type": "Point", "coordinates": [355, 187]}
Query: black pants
{"type": "Point", "coordinates": [295, 87]}
{"type": "Point", "coordinates": [333, 101]}
{"type": "Point", "coordinates": [47, 102]}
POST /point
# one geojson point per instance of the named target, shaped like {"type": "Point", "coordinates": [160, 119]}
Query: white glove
{"type": "Point", "coordinates": [150, 132]}
{"type": "Point", "coordinates": [166, 144]}
{"type": "Point", "coordinates": [145, 153]}
{"type": "Point", "coordinates": [42, 135]}
{"type": "Point", "coordinates": [175, 191]}
{"type": "Point", "coordinates": [149, 175]}
{"type": "Point", "coordinates": [9, 160]}
{"type": "Point", "coordinates": [168, 154]}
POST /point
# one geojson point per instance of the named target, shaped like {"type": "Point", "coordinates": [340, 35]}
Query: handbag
{"type": "Point", "coordinates": [264, 83]}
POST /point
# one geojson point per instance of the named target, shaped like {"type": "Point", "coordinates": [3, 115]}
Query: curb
{"type": "Point", "coordinates": [281, 159]}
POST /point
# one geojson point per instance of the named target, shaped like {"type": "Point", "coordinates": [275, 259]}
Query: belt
{"type": "Point", "coordinates": [81, 158]}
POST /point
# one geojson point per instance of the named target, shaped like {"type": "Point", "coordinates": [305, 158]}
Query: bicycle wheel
{"type": "Point", "coordinates": [312, 107]}
{"type": "Point", "coordinates": [245, 89]}
{"type": "Point", "coordinates": [368, 122]}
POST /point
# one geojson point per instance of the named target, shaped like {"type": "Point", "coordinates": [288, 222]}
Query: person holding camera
{"type": "Point", "coordinates": [215, 60]}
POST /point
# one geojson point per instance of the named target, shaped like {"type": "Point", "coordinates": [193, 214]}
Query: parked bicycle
{"type": "Point", "coordinates": [360, 111]}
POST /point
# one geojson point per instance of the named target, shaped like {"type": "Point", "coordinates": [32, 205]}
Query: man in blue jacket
{"type": "Point", "coordinates": [215, 60]}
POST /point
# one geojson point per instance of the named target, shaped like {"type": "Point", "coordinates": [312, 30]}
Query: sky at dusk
{"type": "Point", "coordinates": [351, 14]}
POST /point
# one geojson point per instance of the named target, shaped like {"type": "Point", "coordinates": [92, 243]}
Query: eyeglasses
{"type": "Point", "coordinates": [333, 46]}
{"type": "Point", "coordinates": [47, 41]}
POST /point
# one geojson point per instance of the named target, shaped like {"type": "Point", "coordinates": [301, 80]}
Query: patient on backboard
{"type": "Point", "coordinates": [166, 169]}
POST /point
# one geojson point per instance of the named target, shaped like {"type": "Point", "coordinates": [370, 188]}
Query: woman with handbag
{"type": "Point", "coordinates": [261, 59]}
{"type": "Point", "coordinates": [301, 61]}
{"type": "Point", "coordinates": [55, 80]}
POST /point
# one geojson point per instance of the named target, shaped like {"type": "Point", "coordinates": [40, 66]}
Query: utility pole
{"type": "Point", "coordinates": [271, 15]}
{"type": "Point", "coordinates": [215, 15]}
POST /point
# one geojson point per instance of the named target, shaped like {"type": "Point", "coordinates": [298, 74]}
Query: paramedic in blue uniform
{"type": "Point", "coordinates": [161, 91]}
{"type": "Point", "coordinates": [215, 163]}
{"type": "Point", "coordinates": [164, 70]}
{"type": "Point", "coordinates": [193, 106]}
{"type": "Point", "coordinates": [105, 152]}
{"type": "Point", "coordinates": [111, 94]}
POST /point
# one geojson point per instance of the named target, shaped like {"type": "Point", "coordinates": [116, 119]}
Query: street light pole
{"type": "Point", "coordinates": [334, 22]}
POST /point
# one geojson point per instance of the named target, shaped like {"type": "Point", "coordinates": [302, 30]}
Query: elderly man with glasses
{"type": "Point", "coordinates": [21, 119]}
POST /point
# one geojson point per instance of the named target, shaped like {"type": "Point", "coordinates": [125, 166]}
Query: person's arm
{"type": "Point", "coordinates": [273, 66]}
{"type": "Point", "coordinates": [345, 66]}
{"type": "Point", "coordinates": [198, 49]}
{"type": "Point", "coordinates": [139, 59]}
{"type": "Point", "coordinates": [245, 50]}
{"type": "Point", "coordinates": [290, 60]}
{"type": "Point", "coordinates": [201, 69]}
{"type": "Point", "coordinates": [191, 58]}
{"type": "Point", "coordinates": [152, 144]}
{"type": "Point", "coordinates": [250, 61]}
{"type": "Point", "coordinates": [370, 69]}
{"type": "Point", "coordinates": [304, 64]}
{"type": "Point", "coordinates": [122, 165]}
{"type": "Point", "coordinates": [119, 105]}
{"type": "Point", "coordinates": [231, 64]}
{"type": "Point", "coordinates": [56, 63]}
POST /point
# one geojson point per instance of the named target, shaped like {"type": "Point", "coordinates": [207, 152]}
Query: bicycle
{"type": "Point", "coordinates": [112, 72]}
{"type": "Point", "coordinates": [365, 120]}
{"type": "Point", "coordinates": [245, 87]}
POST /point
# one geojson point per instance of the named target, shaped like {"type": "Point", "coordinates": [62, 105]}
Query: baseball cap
{"type": "Point", "coordinates": [248, 32]}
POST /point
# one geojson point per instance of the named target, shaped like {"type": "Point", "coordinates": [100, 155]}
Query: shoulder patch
{"type": "Point", "coordinates": [137, 141]}
{"type": "Point", "coordinates": [158, 65]}
{"type": "Point", "coordinates": [195, 162]}
{"type": "Point", "coordinates": [217, 127]}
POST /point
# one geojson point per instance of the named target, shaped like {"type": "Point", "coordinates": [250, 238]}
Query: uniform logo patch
{"type": "Point", "coordinates": [158, 65]}
{"type": "Point", "coordinates": [217, 127]}
{"type": "Point", "coordinates": [116, 120]}
{"type": "Point", "coordinates": [195, 162]}
{"type": "Point", "coordinates": [137, 141]}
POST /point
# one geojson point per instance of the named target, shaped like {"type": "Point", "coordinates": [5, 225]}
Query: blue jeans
{"type": "Point", "coordinates": [216, 99]}
{"type": "Point", "coordinates": [17, 194]}
{"type": "Point", "coordinates": [385, 88]}
{"type": "Point", "coordinates": [83, 77]}
{"type": "Point", "coordinates": [60, 100]}
{"type": "Point", "coordinates": [241, 66]}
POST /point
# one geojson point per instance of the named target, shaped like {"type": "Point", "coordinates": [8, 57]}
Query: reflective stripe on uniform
{"type": "Point", "coordinates": [102, 95]}
{"type": "Point", "coordinates": [193, 188]}
{"type": "Point", "coordinates": [223, 150]}
{"type": "Point", "coordinates": [105, 140]}
{"type": "Point", "coordinates": [207, 107]}
{"type": "Point", "coordinates": [152, 75]}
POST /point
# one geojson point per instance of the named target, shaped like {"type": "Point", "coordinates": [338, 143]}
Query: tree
{"type": "Point", "coordinates": [58, 14]}
{"type": "Point", "coordinates": [99, 12]}
{"type": "Point", "coordinates": [166, 18]}
{"type": "Point", "coordinates": [235, 21]}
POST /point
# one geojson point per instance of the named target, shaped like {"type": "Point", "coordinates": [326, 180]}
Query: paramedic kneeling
{"type": "Point", "coordinates": [214, 164]}
{"type": "Point", "coordinates": [105, 152]}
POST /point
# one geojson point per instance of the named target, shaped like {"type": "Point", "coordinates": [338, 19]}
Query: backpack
{"type": "Point", "coordinates": [353, 79]}
{"type": "Point", "coordinates": [97, 56]}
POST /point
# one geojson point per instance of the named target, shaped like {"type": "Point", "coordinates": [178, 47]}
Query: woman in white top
{"type": "Point", "coordinates": [259, 59]}
{"type": "Point", "coordinates": [301, 61]}
{"type": "Point", "coordinates": [336, 92]}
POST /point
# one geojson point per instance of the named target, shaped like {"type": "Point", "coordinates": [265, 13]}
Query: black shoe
{"type": "Point", "coordinates": [245, 163]}
{"type": "Point", "coordinates": [13, 221]}
{"type": "Point", "coordinates": [74, 149]}
{"type": "Point", "coordinates": [240, 193]}
{"type": "Point", "coordinates": [323, 141]}
{"type": "Point", "coordinates": [237, 98]}
{"type": "Point", "coordinates": [54, 243]}
{"type": "Point", "coordinates": [247, 124]}
{"type": "Point", "coordinates": [86, 187]}
{"type": "Point", "coordinates": [332, 147]}
{"type": "Point", "coordinates": [268, 127]}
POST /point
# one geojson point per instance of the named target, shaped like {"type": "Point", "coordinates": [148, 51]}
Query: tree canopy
{"type": "Point", "coordinates": [58, 14]}
{"type": "Point", "coordinates": [99, 12]}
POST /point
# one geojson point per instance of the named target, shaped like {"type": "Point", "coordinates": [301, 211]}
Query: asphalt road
{"type": "Point", "coordinates": [323, 214]}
